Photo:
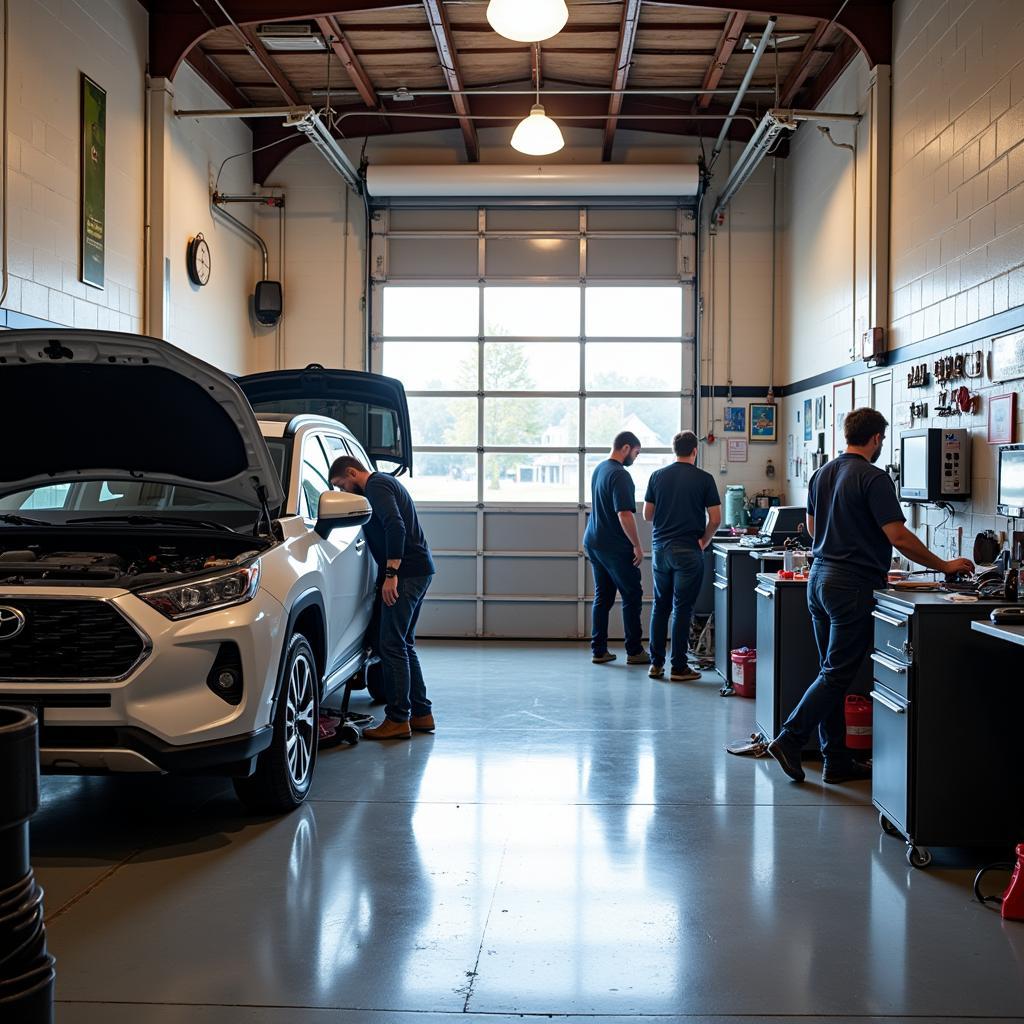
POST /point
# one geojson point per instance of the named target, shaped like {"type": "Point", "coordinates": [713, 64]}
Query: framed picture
{"type": "Point", "coordinates": [842, 406]}
{"type": "Point", "coordinates": [734, 418]}
{"type": "Point", "coordinates": [808, 424]}
{"type": "Point", "coordinates": [737, 450]}
{"type": "Point", "coordinates": [1002, 419]}
{"type": "Point", "coordinates": [1008, 356]}
{"type": "Point", "coordinates": [763, 422]}
{"type": "Point", "coordinates": [94, 173]}
{"type": "Point", "coordinates": [819, 413]}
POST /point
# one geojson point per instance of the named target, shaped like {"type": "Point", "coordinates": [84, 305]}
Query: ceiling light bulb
{"type": "Point", "coordinates": [527, 21]}
{"type": "Point", "coordinates": [537, 135]}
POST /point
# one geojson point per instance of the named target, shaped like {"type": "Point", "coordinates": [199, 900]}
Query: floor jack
{"type": "Point", "coordinates": [350, 723]}
{"type": "Point", "coordinates": [1011, 903]}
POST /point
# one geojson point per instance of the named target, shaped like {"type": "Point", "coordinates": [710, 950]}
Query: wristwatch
{"type": "Point", "coordinates": [390, 573]}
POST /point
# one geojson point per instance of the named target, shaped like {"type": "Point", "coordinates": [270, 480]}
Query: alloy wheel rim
{"type": "Point", "coordinates": [300, 721]}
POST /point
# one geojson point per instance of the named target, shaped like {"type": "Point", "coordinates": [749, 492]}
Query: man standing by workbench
{"type": "Point", "coordinates": [613, 546]}
{"type": "Point", "coordinates": [855, 520]}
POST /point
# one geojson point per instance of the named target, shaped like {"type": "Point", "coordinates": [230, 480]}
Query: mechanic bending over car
{"type": "Point", "coordinates": [405, 567]}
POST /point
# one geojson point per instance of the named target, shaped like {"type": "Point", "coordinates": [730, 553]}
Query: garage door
{"type": "Point", "coordinates": [526, 339]}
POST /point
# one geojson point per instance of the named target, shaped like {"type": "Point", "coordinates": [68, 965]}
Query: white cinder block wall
{"type": "Point", "coordinates": [50, 45]}
{"type": "Point", "coordinates": [957, 244]}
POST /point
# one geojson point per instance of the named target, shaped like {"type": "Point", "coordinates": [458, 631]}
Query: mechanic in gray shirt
{"type": "Point", "coordinates": [855, 518]}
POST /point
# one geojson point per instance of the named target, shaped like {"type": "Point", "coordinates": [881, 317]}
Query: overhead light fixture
{"type": "Point", "coordinates": [527, 21]}
{"type": "Point", "coordinates": [293, 36]}
{"type": "Point", "coordinates": [312, 126]}
{"type": "Point", "coordinates": [537, 135]}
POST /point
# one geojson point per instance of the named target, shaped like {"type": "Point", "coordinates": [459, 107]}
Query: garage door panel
{"type": "Point", "coordinates": [615, 630]}
{"type": "Point", "coordinates": [533, 257]}
{"type": "Point", "coordinates": [433, 258]}
{"type": "Point", "coordinates": [451, 531]}
{"type": "Point", "coordinates": [646, 576]}
{"type": "Point", "coordinates": [527, 219]}
{"type": "Point", "coordinates": [547, 577]}
{"type": "Point", "coordinates": [447, 618]}
{"type": "Point", "coordinates": [542, 620]}
{"type": "Point", "coordinates": [653, 259]}
{"type": "Point", "coordinates": [441, 220]}
{"type": "Point", "coordinates": [511, 531]}
{"type": "Point", "coordinates": [455, 575]}
{"type": "Point", "coordinates": [601, 219]}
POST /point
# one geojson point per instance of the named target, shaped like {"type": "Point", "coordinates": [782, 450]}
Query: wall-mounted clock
{"type": "Point", "coordinates": [197, 258]}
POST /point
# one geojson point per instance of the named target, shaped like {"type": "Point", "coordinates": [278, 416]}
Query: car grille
{"type": "Point", "coordinates": [67, 639]}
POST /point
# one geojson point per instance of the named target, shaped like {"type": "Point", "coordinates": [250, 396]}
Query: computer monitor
{"type": "Point", "coordinates": [1010, 484]}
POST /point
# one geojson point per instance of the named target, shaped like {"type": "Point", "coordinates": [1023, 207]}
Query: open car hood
{"type": "Point", "coordinates": [372, 406]}
{"type": "Point", "coordinates": [98, 405]}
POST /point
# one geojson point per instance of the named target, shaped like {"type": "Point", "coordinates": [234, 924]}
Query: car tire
{"type": "Point", "coordinates": [284, 771]}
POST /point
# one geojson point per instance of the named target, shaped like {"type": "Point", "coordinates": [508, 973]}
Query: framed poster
{"type": "Point", "coordinates": [842, 406]}
{"type": "Point", "coordinates": [734, 419]}
{"type": "Point", "coordinates": [1002, 419]}
{"type": "Point", "coordinates": [1008, 357]}
{"type": "Point", "coordinates": [819, 413]}
{"type": "Point", "coordinates": [737, 450]}
{"type": "Point", "coordinates": [763, 422]}
{"type": "Point", "coordinates": [94, 183]}
{"type": "Point", "coordinates": [808, 424]}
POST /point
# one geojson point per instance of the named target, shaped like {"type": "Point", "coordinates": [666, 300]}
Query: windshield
{"type": "Point", "coordinates": [99, 499]}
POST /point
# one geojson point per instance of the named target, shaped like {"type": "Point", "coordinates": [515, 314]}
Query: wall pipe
{"type": "Point", "coordinates": [245, 229]}
{"type": "Point", "coordinates": [852, 149]}
{"type": "Point", "coordinates": [3, 158]}
{"type": "Point", "coordinates": [744, 86]}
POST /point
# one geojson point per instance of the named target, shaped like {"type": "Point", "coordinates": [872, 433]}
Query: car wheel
{"type": "Point", "coordinates": [284, 771]}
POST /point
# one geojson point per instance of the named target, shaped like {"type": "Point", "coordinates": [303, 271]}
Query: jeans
{"type": "Point", "coordinates": [404, 688]}
{"type": "Point", "coordinates": [840, 602]}
{"type": "Point", "coordinates": [614, 571]}
{"type": "Point", "coordinates": [678, 575]}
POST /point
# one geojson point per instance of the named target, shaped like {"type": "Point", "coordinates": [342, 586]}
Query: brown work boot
{"type": "Point", "coordinates": [422, 723]}
{"type": "Point", "coordinates": [388, 730]}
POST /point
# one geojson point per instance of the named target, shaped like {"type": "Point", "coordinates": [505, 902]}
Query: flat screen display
{"type": "Point", "coordinates": [1011, 477]}
{"type": "Point", "coordinates": [914, 464]}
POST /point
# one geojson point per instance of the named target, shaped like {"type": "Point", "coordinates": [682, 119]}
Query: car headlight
{"type": "Point", "coordinates": [205, 595]}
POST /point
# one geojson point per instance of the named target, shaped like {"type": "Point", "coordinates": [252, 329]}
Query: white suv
{"type": "Point", "coordinates": [180, 588]}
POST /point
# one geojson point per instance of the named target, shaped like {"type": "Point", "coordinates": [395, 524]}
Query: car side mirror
{"type": "Point", "coordinates": [337, 509]}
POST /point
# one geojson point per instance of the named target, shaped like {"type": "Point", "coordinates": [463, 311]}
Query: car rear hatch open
{"type": "Point", "coordinates": [373, 407]}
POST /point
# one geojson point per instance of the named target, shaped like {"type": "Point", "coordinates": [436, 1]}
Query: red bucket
{"type": "Point", "coordinates": [858, 723]}
{"type": "Point", "coordinates": [744, 671]}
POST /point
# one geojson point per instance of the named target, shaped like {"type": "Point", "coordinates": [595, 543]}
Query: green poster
{"type": "Point", "coordinates": [94, 174]}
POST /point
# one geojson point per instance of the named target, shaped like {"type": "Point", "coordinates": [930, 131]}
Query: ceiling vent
{"type": "Point", "coordinates": [291, 35]}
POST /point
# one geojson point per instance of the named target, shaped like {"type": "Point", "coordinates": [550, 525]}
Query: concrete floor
{"type": "Point", "coordinates": [574, 842]}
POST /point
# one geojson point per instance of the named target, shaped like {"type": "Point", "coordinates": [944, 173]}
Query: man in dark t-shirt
{"type": "Point", "coordinates": [855, 518]}
{"type": "Point", "coordinates": [405, 568]}
{"type": "Point", "coordinates": [683, 503]}
{"type": "Point", "coordinates": [612, 544]}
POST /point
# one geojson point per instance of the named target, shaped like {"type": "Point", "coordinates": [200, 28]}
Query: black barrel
{"type": "Point", "coordinates": [26, 968]}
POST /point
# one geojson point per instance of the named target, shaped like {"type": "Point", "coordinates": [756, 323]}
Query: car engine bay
{"type": "Point", "coordinates": [138, 561]}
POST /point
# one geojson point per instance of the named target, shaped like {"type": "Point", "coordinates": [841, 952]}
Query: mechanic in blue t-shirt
{"type": "Point", "coordinates": [612, 544]}
{"type": "Point", "coordinates": [855, 519]}
{"type": "Point", "coordinates": [683, 503]}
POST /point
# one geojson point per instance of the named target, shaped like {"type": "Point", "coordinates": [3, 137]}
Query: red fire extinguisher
{"type": "Point", "coordinates": [1011, 903]}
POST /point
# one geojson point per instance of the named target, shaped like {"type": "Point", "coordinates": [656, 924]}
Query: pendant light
{"type": "Point", "coordinates": [537, 134]}
{"type": "Point", "coordinates": [527, 21]}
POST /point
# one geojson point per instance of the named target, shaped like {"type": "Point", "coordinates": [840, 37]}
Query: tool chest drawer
{"type": "Point", "coordinates": [892, 634]}
{"type": "Point", "coordinates": [893, 673]}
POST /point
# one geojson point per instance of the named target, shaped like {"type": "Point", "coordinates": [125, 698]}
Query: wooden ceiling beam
{"type": "Point", "coordinates": [536, 66]}
{"type": "Point", "coordinates": [270, 66]}
{"type": "Point", "coordinates": [215, 78]}
{"type": "Point", "coordinates": [334, 36]}
{"type": "Point", "coordinates": [796, 78]}
{"type": "Point", "coordinates": [623, 58]}
{"type": "Point", "coordinates": [731, 33]}
{"type": "Point", "coordinates": [442, 32]}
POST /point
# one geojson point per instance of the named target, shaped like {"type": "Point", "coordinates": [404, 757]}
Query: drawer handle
{"type": "Point", "coordinates": [764, 593]}
{"type": "Point", "coordinates": [890, 663]}
{"type": "Point", "coordinates": [720, 586]}
{"type": "Point", "coordinates": [898, 709]}
{"type": "Point", "coordinates": [889, 620]}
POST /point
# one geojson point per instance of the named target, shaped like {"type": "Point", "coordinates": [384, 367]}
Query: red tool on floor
{"type": "Point", "coordinates": [1011, 903]}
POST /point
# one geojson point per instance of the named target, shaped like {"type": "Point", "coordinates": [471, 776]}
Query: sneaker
{"type": "Point", "coordinates": [686, 676]}
{"type": "Point", "coordinates": [789, 759]}
{"type": "Point", "coordinates": [388, 730]}
{"type": "Point", "coordinates": [656, 671]}
{"type": "Point", "coordinates": [422, 723]}
{"type": "Point", "coordinates": [853, 771]}
{"type": "Point", "coordinates": [641, 658]}
{"type": "Point", "coordinates": [603, 659]}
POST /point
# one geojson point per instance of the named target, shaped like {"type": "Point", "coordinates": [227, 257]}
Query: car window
{"type": "Point", "coordinates": [315, 469]}
{"type": "Point", "coordinates": [357, 450]}
{"type": "Point", "coordinates": [50, 496]}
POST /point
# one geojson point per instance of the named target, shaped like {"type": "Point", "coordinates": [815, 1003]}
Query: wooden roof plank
{"type": "Point", "coordinates": [269, 65]}
{"type": "Point", "coordinates": [726, 45]}
{"type": "Point", "coordinates": [628, 28]}
{"type": "Point", "coordinates": [334, 36]}
{"type": "Point", "coordinates": [437, 17]}
{"type": "Point", "coordinates": [796, 78]}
